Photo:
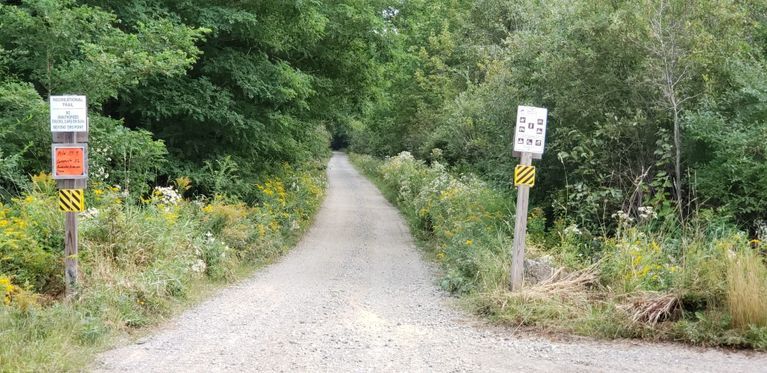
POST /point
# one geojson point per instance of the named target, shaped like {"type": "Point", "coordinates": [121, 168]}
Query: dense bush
{"type": "Point", "coordinates": [459, 213]}
{"type": "Point", "coordinates": [208, 91]}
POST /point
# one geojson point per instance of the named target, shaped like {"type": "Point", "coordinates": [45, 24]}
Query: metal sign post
{"type": "Point", "coordinates": [529, 141]}
{"type": "Point", "coordinates": [69, 158]}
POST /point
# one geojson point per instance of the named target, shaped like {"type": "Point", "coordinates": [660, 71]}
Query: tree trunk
{"type": "Point", "coordinates": [678, 164]}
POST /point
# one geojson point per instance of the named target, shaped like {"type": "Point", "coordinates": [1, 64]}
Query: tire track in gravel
{"type": "Point", "coordinates": [355, 295]}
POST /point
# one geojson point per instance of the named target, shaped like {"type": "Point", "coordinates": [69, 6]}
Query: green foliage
{"type": "Point", "coordinates": [31, 234]}
{"type": "Point", "coordinates": [270, 74]}
{"type": "Point", "coordinates": [648, 100]}
{"type": "Point", "coordinates": [24, 137]}
{"type": "Point", "coordinates": [59, 47]}
{"type": "Point", "coordinates": [119, 156]}
{"type": "Point", "coordinates": [11, 179]}
{"type": "Point", "coordinates": [256, 83]}
{"type": "Point", "coordinates": [601, 68]}
{"type": "Point", "coordinates": [222, 176]}
{"type": "Point", "coordinates": [635, 92]}
{"type": "Point", "coordinates": [730, 136]}
{"type": "Point", "coordinates": [65, 47]}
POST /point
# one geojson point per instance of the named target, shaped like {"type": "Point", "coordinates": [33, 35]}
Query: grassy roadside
{"type": "Point", "coordinates": [141, 262]}
{"type": "Point", "coordinates": [704, 284]}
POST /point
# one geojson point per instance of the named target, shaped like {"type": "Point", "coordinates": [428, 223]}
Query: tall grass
{"type": "Point", "coordinates": [747, 289]}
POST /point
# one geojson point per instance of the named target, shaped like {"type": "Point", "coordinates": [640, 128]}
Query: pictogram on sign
{"type": "Point", "coordinates": [530, 132]}
{"type": "Point", "coordinates": [72, 200]}
{"type": "Point", "coordinates": [524, 175]}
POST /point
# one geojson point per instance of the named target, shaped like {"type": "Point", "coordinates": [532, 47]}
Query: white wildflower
{"type": "Point", "coordinates": [199, 266]}
{"type": "Point", "coordinates": [91, 213]}
{"type": "Point", "coordinates": [573, 229]}
{"type": "Point", "coordinates": [647, 213]}
{"type": "Point", "coordinates": [169, 195]}
{"type": "Point", "coordinates": [209, 238]}
{"type": "Point", "coordinates": [761, 230]}
{"type": "Point", "coordinates": [623, 217]}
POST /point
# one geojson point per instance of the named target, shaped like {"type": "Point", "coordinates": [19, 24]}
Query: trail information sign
{"type": "Point", "coordinates": [69, 114]}
{"type": "Point", "coordinates": [530, 131]}
{"type": "Point", "coordinates": [69, 161]}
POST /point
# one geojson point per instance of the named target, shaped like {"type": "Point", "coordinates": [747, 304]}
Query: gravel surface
{"type": "Point", "coordinates": [355, 295]}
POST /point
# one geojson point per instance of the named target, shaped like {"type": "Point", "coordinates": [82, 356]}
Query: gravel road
{"type": "Point", "coordinates": [355, 295]}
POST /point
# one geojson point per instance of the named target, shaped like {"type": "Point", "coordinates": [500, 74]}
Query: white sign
{"type": "Point", "coordinates": [69, 114]}
{"type": "Point", "coordinates": [530, 131]}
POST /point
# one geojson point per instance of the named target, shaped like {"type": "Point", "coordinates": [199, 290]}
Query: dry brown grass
{"type": "Point", "coordinates": [747, 289]}
{"type": "Point", "coordinates": [562, 283]}
{"type": "Point", "coordinates": [562, 286]}
{"type": "Point", "coordinates": [651, 307]}
{"type": "Point", "coordinates": [553, 305]}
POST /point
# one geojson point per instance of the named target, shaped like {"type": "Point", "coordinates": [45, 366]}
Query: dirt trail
{"type": "Point", "coordinates": [355, 295]}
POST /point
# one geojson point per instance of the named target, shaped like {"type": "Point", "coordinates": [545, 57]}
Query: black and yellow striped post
{"type": "Point", "coordinates": [72, 200]}
{"type": "Point", "coordinates": [524, 175]}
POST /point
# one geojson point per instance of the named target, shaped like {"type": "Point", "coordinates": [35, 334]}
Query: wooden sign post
{"type": "Point", "coordinates": [69, 158]}
{"type": "Point", "coordinates": [529, 141]}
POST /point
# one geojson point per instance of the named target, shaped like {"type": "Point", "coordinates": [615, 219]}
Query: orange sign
{"type": "Point", "coordinates": [69, 161]}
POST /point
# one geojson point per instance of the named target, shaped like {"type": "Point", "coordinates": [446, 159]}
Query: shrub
{"type": "Point", "coordinates": [463, 214]}
{"type": "Point", "coordinates": [120, 156]}
{"type": "Point", "coordinates": [404, 174]}
{"type": "Point", "coordinates": [636, 262]}
{"type": "Point", "coordinates": [575, 247]}
{"type": "Point", "coordinates": [24, 133]}
{"type": "Point", "coordinates": [29, 234]}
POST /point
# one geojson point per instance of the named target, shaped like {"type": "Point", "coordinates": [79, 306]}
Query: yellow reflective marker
{"type": "Point", "coordinates": [524, 175]}
{"type": "Point", "coordinates": [72, 200]}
